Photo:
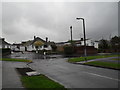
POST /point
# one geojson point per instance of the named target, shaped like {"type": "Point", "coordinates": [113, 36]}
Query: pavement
{"type": "Point", "coordinates": [10, 77]}
{"type": "Point", "coordinates": [68, 74]}
{"type": "Point", "coordinates": [0, 75]}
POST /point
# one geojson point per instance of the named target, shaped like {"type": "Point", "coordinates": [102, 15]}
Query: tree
{"type": "Point", "coordinates": [115, 43]}
{"type": "Point", "coordinates": [103, 45]}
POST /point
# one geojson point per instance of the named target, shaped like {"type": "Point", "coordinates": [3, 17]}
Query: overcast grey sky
{"type": "Point", "coordinates": [22, 20]}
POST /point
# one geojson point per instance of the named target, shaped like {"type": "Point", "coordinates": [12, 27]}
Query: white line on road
{"type": "Point", "coordinates": [102, 76]}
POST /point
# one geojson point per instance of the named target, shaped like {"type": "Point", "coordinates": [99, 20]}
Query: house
{"type": "Point", "coordinates": [33, 45]}
{"type": "Point", "coordinates": [4, 44]}
{"type": "Point", "coordinates": [79, 46]}
{"type": "Point", "coordinates": [4, 47]}
{"type": "Point", "coordinates": [17, 47]}
{"type": "Point", "coordinates": [37, 44]}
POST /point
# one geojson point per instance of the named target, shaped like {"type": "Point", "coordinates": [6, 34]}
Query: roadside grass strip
{"type": "Point", "coordinates": [40, 81]}
{"type": "Point", "coordinates": [104, 64]}
{"type": "Point", "coordinates": [78, 59]}
{"type": "Point", "coordinates": [14, 59]}
{"type": "Point", "coordinates": [116, 59]}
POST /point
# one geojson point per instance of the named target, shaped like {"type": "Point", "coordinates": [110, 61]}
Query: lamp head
{"type": "Point", "coordinates": [70, 27]}
{"type": "Point", "coordinates": [79, 18]}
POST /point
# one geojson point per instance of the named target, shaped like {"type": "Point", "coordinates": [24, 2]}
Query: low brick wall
{"type": "Point", "coordinates": [90, 50]}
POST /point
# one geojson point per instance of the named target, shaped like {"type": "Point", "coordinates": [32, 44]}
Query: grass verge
{"type": "Point", "coordinates": [14, 59]}
{"type": "Point", "coordinates": [104, 64]}
{"type": "Point", "coordinates": [116, 59]}
{"type": "Point", "coordinates": [41, 81]}
{"type": "Point", "coordinates": [78, 59]}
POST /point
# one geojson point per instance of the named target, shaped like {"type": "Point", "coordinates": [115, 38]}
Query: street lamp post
{"type": "Point", "coordinates": [71, 33]}
{"type": "Point", "coordinates": [85, 51]}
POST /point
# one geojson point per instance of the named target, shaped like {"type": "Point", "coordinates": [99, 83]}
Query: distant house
{"type": "Point", "coordinates": [33, 45]}
{"type": "Point", "coordinates": [4, 44]}
{"type": "Point", "coordinates": [16, 47]}
{"type": "Point", "coordinates": [79, 46]}
{"type": "Point", "coordinates": [36, 44]}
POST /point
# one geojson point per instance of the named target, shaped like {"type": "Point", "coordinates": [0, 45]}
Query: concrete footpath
{"type": "Point", "coordinates": [10, 77]}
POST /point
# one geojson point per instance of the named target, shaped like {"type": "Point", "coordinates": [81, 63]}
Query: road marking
{"type": "Point", "coordinates": [102, 76]}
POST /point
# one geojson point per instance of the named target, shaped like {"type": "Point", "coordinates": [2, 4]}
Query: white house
{"type": "Point", "coordinates": [35, 44]}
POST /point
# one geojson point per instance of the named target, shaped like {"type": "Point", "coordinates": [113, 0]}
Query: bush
{"type": "Point", "coordinates": [68, 49]}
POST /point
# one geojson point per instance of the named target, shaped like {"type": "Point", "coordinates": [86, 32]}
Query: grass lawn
{"type": "Point", "coordinates": [104, 64]}
{"type": "Point", "coordinates": [41, 81]}
{"type": "Point", "coordinates": [78, 59]}
{"type": "Point", "coordinates": [14, 59]}
{"type": "Point", "coordinates": [116, 59]}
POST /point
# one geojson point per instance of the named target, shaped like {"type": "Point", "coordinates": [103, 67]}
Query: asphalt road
{"type": "Point", "coordinates": [70, 75]}
{"type": "Point", "coordinates": [76, 76]}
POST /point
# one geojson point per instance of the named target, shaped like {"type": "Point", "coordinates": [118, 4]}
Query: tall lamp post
{"type": "Point", "coordinates": [71, 33]}
{"type": "Point", "coordinates": [85, 51]}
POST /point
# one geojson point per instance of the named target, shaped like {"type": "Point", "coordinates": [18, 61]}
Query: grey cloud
{"type": "Point", "coordinates": [54, 19]}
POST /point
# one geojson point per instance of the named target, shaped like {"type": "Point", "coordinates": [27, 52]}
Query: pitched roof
{"type": "Point", "coordinates": [2, 41]}
{"type": "Point", "coordinates": [38, 39]}
{"type": "Point", "coordinates": [27, 43]}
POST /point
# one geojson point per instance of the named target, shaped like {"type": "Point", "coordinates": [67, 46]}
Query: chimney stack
{"type": "Point", "coordinates": [34, 37]}
{"type": "Point", "coordinates": [3, 39]}
{"type": "Point", "coordinates": [46, 39]}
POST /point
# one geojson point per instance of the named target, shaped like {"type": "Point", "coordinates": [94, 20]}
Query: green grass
{"type": "Point", "coordinates": [116, 59]}
{"type": "Point", "coordinates": [14, 59]}
{"type": "Point", "coordinates": [40, 81]}
{"type": "Point", "coordinates": [78, 59]}
{"type": "Point", "coordinates": [104, 64]}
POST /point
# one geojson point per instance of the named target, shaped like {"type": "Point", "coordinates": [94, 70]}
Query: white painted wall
{"type": "Point", "coordinates": [22, 48]}
{"type": "Point", "coordinates": [47, 48]}
{"type": "Point", "coordinates": [30, 48]}
{"type": "Point", "coordinates": [14, 47]}
{"type": "Point", "coordinates": [96, 44]}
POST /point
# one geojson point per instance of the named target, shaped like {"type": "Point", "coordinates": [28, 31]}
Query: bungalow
{"type": "Point", "coordinates": [33, 45]}
{"type": "Point", "coordinates": [37, 44]}
{"type": "Point", "coordinates": [4, 44]}
{"type": "Point", "coordinates": [17, 47]}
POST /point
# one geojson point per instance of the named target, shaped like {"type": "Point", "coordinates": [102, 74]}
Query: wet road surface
{"type": "Point", "coordinates": [72, 75]}
{"type": "Point", "coordinates": [77, 76]}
